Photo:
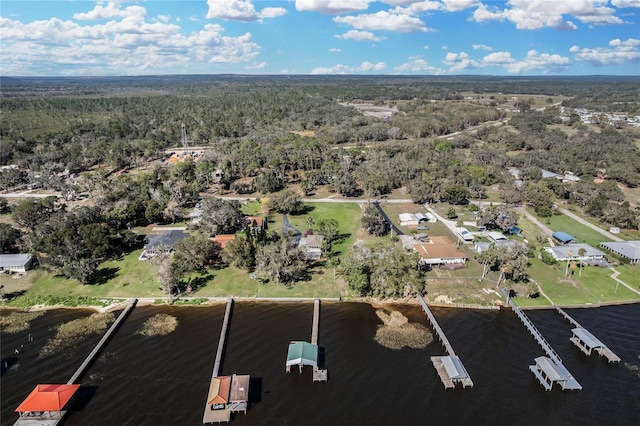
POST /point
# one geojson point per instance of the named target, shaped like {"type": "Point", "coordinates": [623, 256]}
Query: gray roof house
{"type": "Point", "coordinates": [626, 249]}
{"type": "Point", "coordinates": [167, 239]}
{"type": "Point", "coordinates": [312, 246]}
{"type": "Point", "coordinates": [15, 262]}
{"type": "Point", "coordinates": [572, 252]}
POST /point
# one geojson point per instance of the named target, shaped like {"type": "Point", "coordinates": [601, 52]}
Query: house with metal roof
{"type": "Point", "coordinates": [572, 252]}
{"type": "Point", "coordinates": [440, 252]}
{"type": "Point", "coordinates": [16, 262]}
{"type": "Point", "coordinates": [496, 236]}
{"type": "Point", "coordinates": [301, 354]}
{"type": "Point", "coordinates": [483, 246]}
{"type": "Point", "coordinates": [563, 237]}
{"type": "Point", "coordinates": [627, 249]}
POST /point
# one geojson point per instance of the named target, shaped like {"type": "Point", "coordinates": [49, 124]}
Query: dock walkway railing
{"type": "Point", "coordinates": [534, 332]}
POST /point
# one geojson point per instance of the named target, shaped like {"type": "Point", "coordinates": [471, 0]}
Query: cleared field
{"type": "Point", "coordinates": [598, 282]}
{"type": "Point", "coordinates": [582, 233]}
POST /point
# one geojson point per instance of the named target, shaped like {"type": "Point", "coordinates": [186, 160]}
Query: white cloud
{"type": "Point", "coordinates": [625, 3]}
{"type": "Point", "coordinates": [538, 61]}
{"type": "Point", "coordinates": [241, 10]}
{"type": "Point", "coordinates": [332, 7]}
{"type": "Point", "coordinates": [345, 69]}
{"type": "Point", "coordinates": [383, 20]}
{"type": "Point", "coordinates": [457, 5]}
{"type": "Point", "coordinates": [257, 66]}
{"type": "Point", "coordinates": [126, 44]}
{"type": "Point", "coordinates": [111, 10]}
{"type": "Point", "coordinates": [481, 47]}
{"type": "Point", "coordinates": [163, 18]}
{"type": "Point", "coordinates": [536, 14]}
{"type": "Point", "coordinates": [498, 58]}
{"type": "Point", "coordinates": [460, 62]}
{"type": "Point", "coordinates": [623, 51]}
{"type": "Point", "coordinates": [359, 36]}
{"type": "Point", "coordinates": [335, 50]}
{"type": "Point", "coordinates": [272, 12]}
{"type": "Point", "coordinates": [417, 65]}
{"type": "Point", "coordinates": [416, 7]}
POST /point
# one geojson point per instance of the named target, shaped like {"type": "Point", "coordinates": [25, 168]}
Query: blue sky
{"type": "Point", "coordinates": [413, 37]}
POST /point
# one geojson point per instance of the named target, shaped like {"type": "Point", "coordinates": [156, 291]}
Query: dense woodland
{"type": "Point", "coordinates": [264, 134]}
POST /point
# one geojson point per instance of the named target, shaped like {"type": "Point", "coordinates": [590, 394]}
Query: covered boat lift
{"type": "Point", "coordinates": [548, 373]}
{"type": "Point", "coordinates": [301, 354]}
{"type": "Point", "coordinates": [587, 342]}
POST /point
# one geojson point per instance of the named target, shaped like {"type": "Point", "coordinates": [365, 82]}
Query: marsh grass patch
{"type": "Point", "coordinates": [71, 333]}
{"type": "Point", "coordinates": [396, 332]}
{"type": "Point", "coordinates": [16, 322]}
{"type": "Point", "coordinates": [158, 325]}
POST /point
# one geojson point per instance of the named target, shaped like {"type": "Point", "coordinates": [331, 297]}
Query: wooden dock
{"type": "Point", "coordinates": [223, 338]}
{"type": "Point", "coordinates": [449, 368]}
{"type": "Point", "coordinates": [319, 374]}
{"type": "Point", "coordinates": [53, 418]}
{"type": "Point", "coordinates": [219, 415]}
{"type": "Point", "coordinates": [547, 369]}
{"type": "Point", "coordinates": [80, 371]}
{"type": "Point", "coordinates": [585, 341]}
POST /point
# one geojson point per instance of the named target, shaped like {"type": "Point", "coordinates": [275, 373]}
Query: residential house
{"type": "Point", "coordinates": [572, 252]}
{"type": "Point", "coordinates": [164, 241]}
{"type": "Point", "coordinates": [311, 245]}
{"type": "Point", "coordinates": [223, 239]}
{"type": "Point", "coordinates": [20, 263]}
{"type": "Point", "coordinates": [254, 222]}
{"type": "Point", "coordinates": [626, 249]}
{"type": "Point", "coordinates": [440, 252]}
{"type": "Point", "coordinates": [465, 234]}
{"type": "Point", "coordinates": [484, 246]}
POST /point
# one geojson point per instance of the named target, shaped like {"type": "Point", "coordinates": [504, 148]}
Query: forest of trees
{"type": "Point", "coordinates": [76, 136]}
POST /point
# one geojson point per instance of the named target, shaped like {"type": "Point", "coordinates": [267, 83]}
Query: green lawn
{"type": "Point", "coordinates": [559, 288]}
{"type": "Point", "coordinates": [582, 233]}
{"type": "Point", "coordinates": [127, 277]}
{"type": "Point", "coordinates": [630, 274]}
{"type": "Point", "coordinates": [531, 302]}
{"type": "Point", "coordinates": [598, 282]}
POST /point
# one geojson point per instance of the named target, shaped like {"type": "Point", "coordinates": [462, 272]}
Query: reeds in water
{"type": "Point", "coordinates": [72, 332]}
{"type": "Point", "coordinates": [16, 322]}
{"type": "Point", "coordinates": [397, 332]}
{"type": "Point", "coordinates": [158, 325]}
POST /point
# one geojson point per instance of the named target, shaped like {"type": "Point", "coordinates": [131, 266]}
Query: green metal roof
{"type": "Point", "coordinates": [302, 353]}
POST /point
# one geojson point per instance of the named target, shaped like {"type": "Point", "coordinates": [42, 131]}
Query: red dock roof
{"type": "Point", "coordinates": [48, 398]}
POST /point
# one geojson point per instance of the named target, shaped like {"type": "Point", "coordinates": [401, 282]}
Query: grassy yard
{"type": "Point", "coordinates": [630, 274]}
{"type": "Point", "coordinates": [562, 290]}
{"type": "Point", "coordinates": [597, 282]}
{"type": "Point", "coordinates": [563, 223]}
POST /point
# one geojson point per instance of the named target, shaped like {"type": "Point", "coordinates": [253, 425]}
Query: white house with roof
{"type": "Point", "coordinates": [20, 263]}
{"type": "Point", "coordinates": [572, 252]}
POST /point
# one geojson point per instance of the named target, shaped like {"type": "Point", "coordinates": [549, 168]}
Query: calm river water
{"type": "Point", "coordinates": [164, 380]}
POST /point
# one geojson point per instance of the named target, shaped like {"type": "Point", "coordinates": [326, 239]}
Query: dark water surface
{"type": "Point", "coordinates": [164, 380]}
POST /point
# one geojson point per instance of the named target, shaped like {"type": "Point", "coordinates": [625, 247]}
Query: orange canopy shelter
{"type": "Point", "coordinates": [48, 398]}
{"type": "Point", "coordinates": [219, 390]}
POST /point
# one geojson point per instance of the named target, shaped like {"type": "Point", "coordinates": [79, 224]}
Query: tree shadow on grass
{"type": "Point", "coordinates": [306, 209]}
{"type": "Point", "coordinates": [104, 275]}
{"type": "Point", "coordinates": [200, 281]}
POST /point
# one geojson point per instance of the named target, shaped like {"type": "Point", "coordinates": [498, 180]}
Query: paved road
{"type": "Point", "coordinates": [590, 225]}
{"type": "Point", "coordinates": [545, 229]}
{"type": "Point", "coordinates": [394, 227]}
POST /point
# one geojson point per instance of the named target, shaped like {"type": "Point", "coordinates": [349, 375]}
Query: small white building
{"type": "Point", "coordinates": [15, 262]}
{"type": "Point", "coordinates": [465, 234]}
{"type": "Point", "coordinates": [496, 236]}
{"type": "Point", "coordinates": [408, 219]}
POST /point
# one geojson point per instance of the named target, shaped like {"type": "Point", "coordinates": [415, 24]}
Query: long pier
{"type": "Point", "coordinates": [55, 417]}
{"type": "Point", "coordinates": [449, 368]}
{"type": "Point", "coordinates": [585, 341]}
{"type": "Point", "coordinates": [319, 374]}
{"type": "Point", "coordinates": [316, 320]}
{"type": "Point", "coordinates": [223, 339]}
{"type": "Point", "coordinates": [80, 371]}
{"type": "Point", "coordinates": [547, 369]}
